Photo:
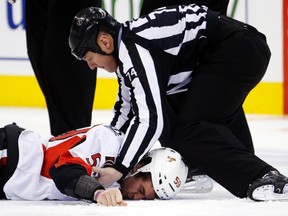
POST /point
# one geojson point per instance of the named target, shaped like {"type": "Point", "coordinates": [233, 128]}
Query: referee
{"type": "Point", "coordinates": [216, 5]}
{"type": "Point", "coordinates": [68, 86]}
{"type": "Point", "coordinates": [239, 123]}
{"type": "Point", "coordinates": [183, 73]}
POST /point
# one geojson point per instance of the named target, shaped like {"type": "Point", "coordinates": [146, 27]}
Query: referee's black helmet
{"type": "Point", "coordinates": [85, 28]}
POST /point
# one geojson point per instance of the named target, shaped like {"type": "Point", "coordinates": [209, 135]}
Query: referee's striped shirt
{"type": "Point", "coordinates": [157, 54]}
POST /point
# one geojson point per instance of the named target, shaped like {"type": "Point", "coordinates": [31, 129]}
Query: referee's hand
{"type": "Point", "coordinates": [107, 176]}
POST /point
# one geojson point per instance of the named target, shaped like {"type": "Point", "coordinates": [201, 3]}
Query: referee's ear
{"type": "Point", "coordinates": [105, 42]}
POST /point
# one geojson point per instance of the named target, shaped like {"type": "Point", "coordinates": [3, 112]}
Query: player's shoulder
{"type": "Point", "coordinates": [108, 129]}
{"type": "Point", "coordinates": [112, 129]}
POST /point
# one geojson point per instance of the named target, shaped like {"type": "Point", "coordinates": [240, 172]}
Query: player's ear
{"type": "Point", "coordinates": [105, 42]}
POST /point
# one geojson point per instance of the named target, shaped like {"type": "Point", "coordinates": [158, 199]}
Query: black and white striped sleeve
{"type": "Point", "coordinates": [140, 93]}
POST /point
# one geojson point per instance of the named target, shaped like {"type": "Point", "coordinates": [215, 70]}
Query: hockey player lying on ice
{"type": "Point", "coordinates": [37, 167]}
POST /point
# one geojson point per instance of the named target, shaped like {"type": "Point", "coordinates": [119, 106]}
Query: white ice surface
{"type": "Point", "coordinates": [270, 135]}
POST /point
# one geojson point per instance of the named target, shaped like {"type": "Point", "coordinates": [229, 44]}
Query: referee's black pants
{"type": "Point", "coordinates": [68, 85]}
{"type": "Point", "coordinates": [211, 132]}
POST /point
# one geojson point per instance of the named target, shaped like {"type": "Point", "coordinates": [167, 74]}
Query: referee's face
{"type": "Point", "coordinates": [106, 62]}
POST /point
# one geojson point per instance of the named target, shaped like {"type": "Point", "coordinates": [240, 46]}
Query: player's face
{"type": "Point", "coordinates": [95, 60]}
{"type": "Point", "coordinates": [137, 188]}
